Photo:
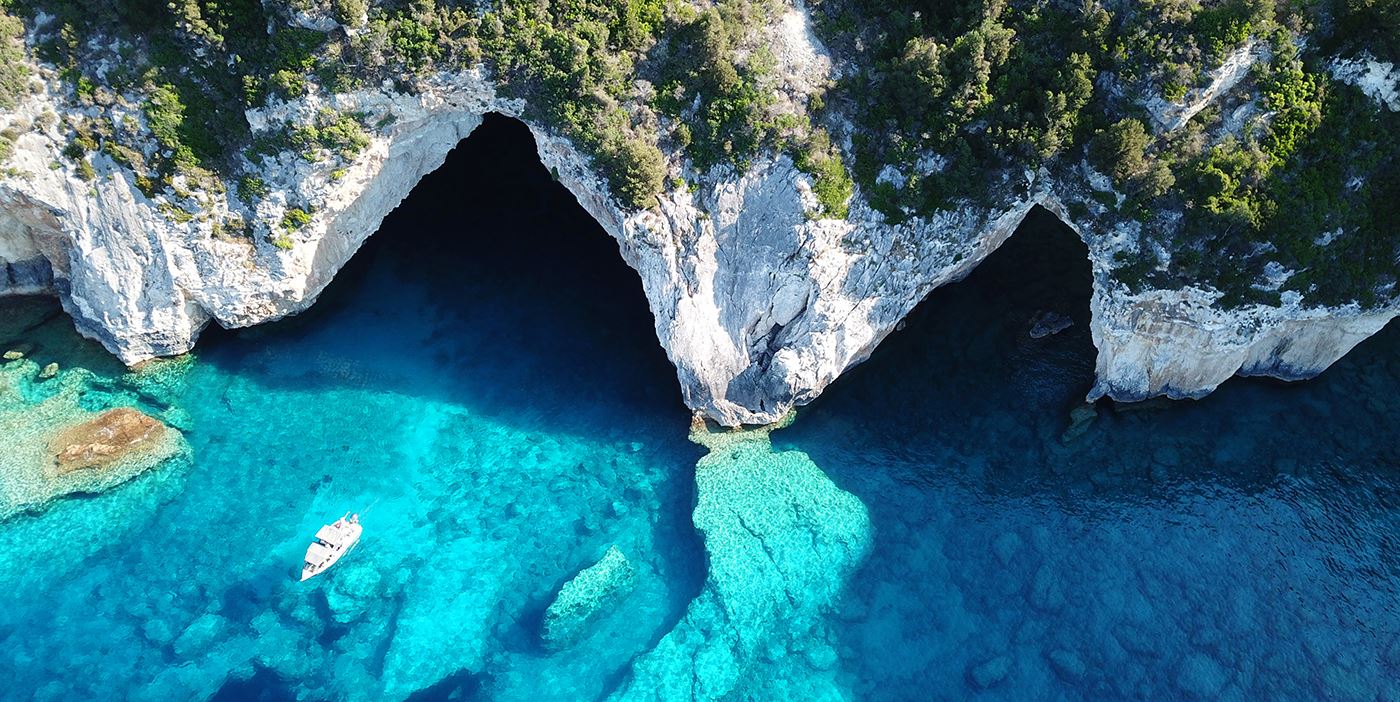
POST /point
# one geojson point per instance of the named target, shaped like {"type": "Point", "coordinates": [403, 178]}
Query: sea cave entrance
{"type": "Point", "coordinates": [485, 364]}
{"type": "Point", "coordinates": [493, 224]}
{"type": "Point", "coordinates": [1014, 333]}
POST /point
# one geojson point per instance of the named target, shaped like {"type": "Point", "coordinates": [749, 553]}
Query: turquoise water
{"type": "Point", "coordinates": [483, 385]}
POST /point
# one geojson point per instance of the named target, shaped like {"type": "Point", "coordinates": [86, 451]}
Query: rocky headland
{"type": "Point", "coordinates": [762, 294]}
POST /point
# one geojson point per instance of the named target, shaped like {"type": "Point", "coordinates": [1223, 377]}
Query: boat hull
{"type": "Point", "coordinates": [332, 543]}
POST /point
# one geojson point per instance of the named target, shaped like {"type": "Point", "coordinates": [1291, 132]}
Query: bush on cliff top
{"type": "Point", "coordinates": [957, 97]}
{"type": "Point", "coordinates": [14, 75]}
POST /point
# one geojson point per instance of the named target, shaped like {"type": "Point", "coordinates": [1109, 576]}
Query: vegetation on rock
{"type": "Point", "coordinates": [935, 106]}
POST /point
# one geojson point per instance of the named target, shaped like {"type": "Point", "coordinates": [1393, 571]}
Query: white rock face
{"type": "Point", "coordinates": [1378, 79]}
{"type": "Point", "coordinates": [758, 306]}
{"type": "Point", "coordinates": [1173, 343]}
{"type": "Point", "coordinates": [1172, 116]}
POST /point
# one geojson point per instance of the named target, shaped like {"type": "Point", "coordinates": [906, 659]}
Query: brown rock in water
{"type": "Point", "coordinates": [101, 442]}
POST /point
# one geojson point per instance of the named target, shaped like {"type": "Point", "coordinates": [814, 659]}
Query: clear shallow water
{"type": "Point", "coordinates": [484, 380]}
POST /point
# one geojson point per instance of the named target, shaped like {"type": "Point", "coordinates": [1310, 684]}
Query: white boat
{"type": "Point", "coordinates": [332, 542]}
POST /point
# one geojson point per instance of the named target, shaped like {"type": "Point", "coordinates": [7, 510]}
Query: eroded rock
{"type": "Point", "coordinates": [115, 435]}
{"type": "Point", "coordinates": [759, 300]}
{"type": "Point", "coordinates": [587, 597]}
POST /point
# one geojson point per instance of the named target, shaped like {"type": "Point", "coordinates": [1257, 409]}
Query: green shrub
{"type": "Point", "coordinates": [349, 12]}
{"type": "Point", "coordinates": [341, 133]}
{"type": "Point", "coordinates": [1296, 99]}
{"type": "Point", "coordinates": [14, 74]}
{"type": "Point", "coordinates": [830, 182]}
{"type": "Point", "coordinates": [295, 218]}
{"type": "Point", "coordinates": [288, 84]}
{"type": "Point", "coordinates": [1121, 151]}
{"type": "Point", "coordinates": [730, 124]}
{"type": "Point", "coordinates": [637, 172]}
{"type": "Point", "coordinates": [251, 188]}
{"type": "Point", "coordinates": [165, 111]}
{"type": "Point", "coordinates": [413, 42]}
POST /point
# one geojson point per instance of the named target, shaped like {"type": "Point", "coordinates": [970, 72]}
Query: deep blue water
{"type": "Point", "coordinates": [484, 385]}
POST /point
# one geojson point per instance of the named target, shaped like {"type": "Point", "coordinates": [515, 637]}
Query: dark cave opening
{"type": "Point", "coordinates": [1014, 332]}
{"type": "Point", "coordinates": [491, 226]}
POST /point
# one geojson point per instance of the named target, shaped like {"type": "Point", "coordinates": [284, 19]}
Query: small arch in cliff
{"type": "Point", "coordinates": [1014, 332]}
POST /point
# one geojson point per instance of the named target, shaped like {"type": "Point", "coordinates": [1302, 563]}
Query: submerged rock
{"type": "Point", "coordinates": [1068, 665]}
{"type": "Point", "coordinates": [781, 538]}
{"type": "Point", "coordinates": [115, 435]}
{"type": "Point", "coordinates": [54, 447]}
{"type": "Point", "coordinates": [1046, 592]}
{"type": "Point", "coordinates": [1006, 546]}
{"type": "Point", "coordinates": [1048, 324]}
{"type": "Point", "coordinates": [990, 673]}
{"type": "Point", "coordinates": [1080, 419]}
{"type": "Point", "coordinates": [200, 635]}
{"type": "Point", "coordinates": [1201, 676]}
{"type": "Point", "coordinates": [588, 596]}
{"type": "Point", "coordinates": [354, 592]}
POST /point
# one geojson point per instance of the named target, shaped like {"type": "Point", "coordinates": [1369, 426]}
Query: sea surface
{"type": "Point", "coordinates": [484, 386]}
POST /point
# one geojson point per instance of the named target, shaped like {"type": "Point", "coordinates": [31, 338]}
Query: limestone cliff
{"type": "Point", "coordinates": [759, 301]}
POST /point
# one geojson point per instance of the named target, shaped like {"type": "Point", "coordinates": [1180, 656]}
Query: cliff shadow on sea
{"type": "Point", "coordinates": [1025, 547]}
{"type": "Point", "coordinates": [974, 385]}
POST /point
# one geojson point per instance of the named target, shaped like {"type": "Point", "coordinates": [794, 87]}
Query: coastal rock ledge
{"type": "Point", "coordinates": [758, 301]}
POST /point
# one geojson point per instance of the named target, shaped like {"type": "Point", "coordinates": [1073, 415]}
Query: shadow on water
{"type": "Point", "coordinates": [965, 363]}
{"type": "Point", "coordinates": [1173, 550]}
{"type": "Point", "coordinates": [965, 393]}
{"type": "Point", "coordinates": [264, 686]}
{"type": "Point", "coordinates": [457, 687]}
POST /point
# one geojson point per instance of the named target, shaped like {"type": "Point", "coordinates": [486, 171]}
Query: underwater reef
{"type": "Point", "coordinates": [70, 430]}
